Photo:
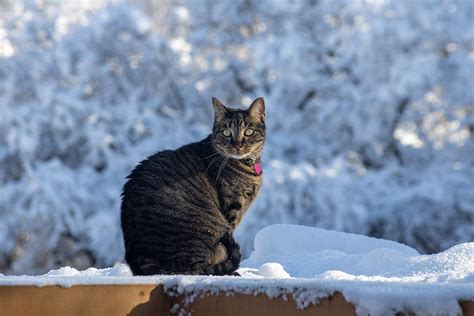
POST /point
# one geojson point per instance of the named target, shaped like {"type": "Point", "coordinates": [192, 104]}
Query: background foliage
{"type": "Point", "coordinates": [369, 111]}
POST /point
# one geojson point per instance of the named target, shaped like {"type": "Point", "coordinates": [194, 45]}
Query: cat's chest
{"type": "Point", "coordinates": [236, 195]}
{"type": "Point", "coordinates": [239, 189]}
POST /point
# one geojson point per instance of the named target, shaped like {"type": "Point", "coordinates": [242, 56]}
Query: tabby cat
{"type": "Point", "coordinates": [180, 207]}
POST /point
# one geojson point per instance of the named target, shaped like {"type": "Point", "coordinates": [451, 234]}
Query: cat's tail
{"type": "Point", "coordinates": [231, 263]}
{"type": "Point", "coordinates": [145, 266]}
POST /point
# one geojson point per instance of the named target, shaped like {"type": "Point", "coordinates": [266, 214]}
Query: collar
{"type": "Point", "coordinates": [254, 163]}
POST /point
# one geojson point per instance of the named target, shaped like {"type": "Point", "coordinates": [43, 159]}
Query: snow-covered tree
{"type": "Point", "coordinates": [369, 113]}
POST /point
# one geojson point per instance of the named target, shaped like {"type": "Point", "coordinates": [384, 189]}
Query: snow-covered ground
{"type": "Point", "coordinates": [378, 276]}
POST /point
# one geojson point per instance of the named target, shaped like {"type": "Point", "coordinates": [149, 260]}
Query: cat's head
{"type": "Point", "coordinates": [239, 133]}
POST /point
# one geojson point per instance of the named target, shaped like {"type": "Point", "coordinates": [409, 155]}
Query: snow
{"type": "Point", "coordinates": [304, 252]}
{"type": "Point", "coordinates": [307, 252]}
{"type": "Point", "coordinates": [272, 270]}
{"type": "Point", "coordinates": [369, 116]}
{"type": "Point", "coordinates": [378, 276]}
{"type": "Point", "coordinates": [370, 131]}
{"type": "Point", "coordinates": [295, 239]}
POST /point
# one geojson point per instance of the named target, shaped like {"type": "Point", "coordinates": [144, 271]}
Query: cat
{"type": "Point", "coordinates": [180, 207]}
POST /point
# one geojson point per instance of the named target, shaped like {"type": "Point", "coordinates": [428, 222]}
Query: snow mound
{"type": "Point", "coordinates": [273, 270]}
{"type": "Point", "coordinates": [294, 239]}
{"type": "Point", "coordinates": [307, 252]}
{"type": "Point", "coordinates": [118, 270]}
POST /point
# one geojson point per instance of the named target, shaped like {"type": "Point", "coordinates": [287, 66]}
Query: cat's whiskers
{"type": "Point", "coordinates": [209, 142]}
{"type": "Point", "coordinates": [266, 153]}
{"type": "Point", "coordinates": [216, 153]}
{"type": "Point", "coordinates": [214, 160]}
{"type": "Point", "coordinates": [221, 167]}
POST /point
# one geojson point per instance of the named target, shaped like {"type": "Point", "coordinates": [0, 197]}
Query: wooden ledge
{"type": "Point", "coordinates": [144, 300]}
{"type": "Point", "coordinates": [245, 305]}
{"type": "Point", "coordinates": [84, 300]}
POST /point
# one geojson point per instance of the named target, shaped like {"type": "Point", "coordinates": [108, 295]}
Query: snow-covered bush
{"type": "Point", "coordinates": [369, 110]}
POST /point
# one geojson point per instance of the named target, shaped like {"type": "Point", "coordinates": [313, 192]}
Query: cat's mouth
{"type": "Point", "coordinates": [237, 153]}
{"type": "Point", "coordinates": [233, 153]}
{"type": "Point", "coordinates": [239, 156]}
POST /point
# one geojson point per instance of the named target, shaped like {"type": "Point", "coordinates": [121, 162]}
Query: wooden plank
{"type": "Point", "coordinates": [244, 305]}
{"type": "Point", "coordinates": [146, 300]}
{"type": "Point", "coordinates": [467, 308]}
{"type": "Point", "coordinates": [81, 300]}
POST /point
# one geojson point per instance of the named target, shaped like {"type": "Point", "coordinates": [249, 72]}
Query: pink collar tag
{"type": "Point", "coordinates": [258, 168]}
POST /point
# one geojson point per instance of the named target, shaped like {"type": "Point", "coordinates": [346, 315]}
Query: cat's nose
{"type": "Point", "coordinates": [237, 145]}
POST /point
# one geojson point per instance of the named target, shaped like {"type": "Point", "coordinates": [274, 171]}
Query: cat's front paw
{"type": "Point", "coordinates": [233, 248]}
{"type": "Point", "coordinates": [234, 217]}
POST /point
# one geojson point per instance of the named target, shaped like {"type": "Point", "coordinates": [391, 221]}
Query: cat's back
{"type": "Point", "coordinates": [169, 176]}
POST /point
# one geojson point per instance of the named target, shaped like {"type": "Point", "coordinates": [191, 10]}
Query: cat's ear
{"type": "Point", "coordinates": [219, 109]}
{"type": "Point", "coordinates": [257, 109]}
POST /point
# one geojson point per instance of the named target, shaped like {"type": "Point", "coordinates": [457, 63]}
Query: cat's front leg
{"type": "Point", "coordinates": [234, 214]}
{"type": "Point", "coordinates": [234, 207]}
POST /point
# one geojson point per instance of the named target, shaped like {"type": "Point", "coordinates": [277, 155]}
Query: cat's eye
{"type": "Point", "coordinates": [248, 132]}
{"type": "Point", "coordinates": [227, 133]}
